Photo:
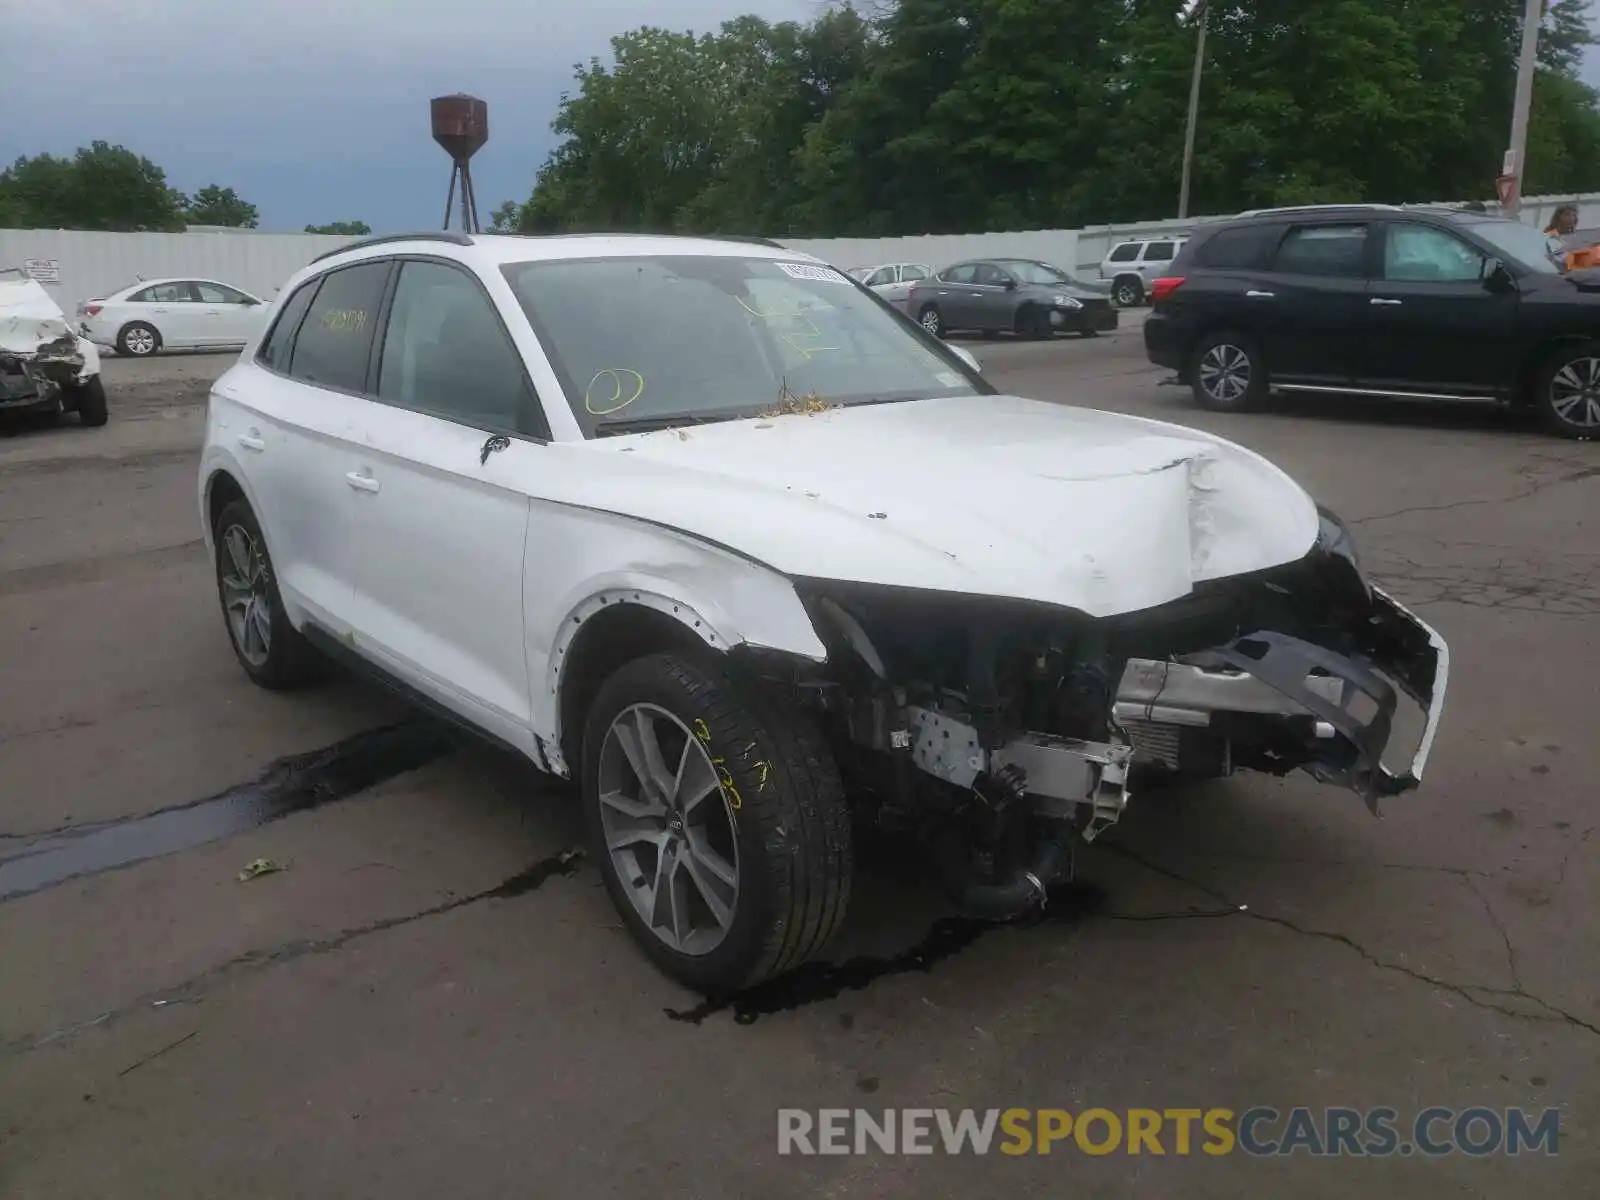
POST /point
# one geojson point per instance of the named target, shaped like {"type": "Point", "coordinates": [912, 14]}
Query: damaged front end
{"type": "Point", "coordinates": [1003, 730]}
{"type": "Point", "coordinates": [41, 359]}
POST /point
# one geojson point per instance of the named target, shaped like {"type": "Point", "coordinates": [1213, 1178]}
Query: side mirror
{"type": "Point", "coordinates": [1496, 277]}
{"type": "Point", "coordinates": [1010, 285]}
{"type": "Point", "coordinates": [967, 357]}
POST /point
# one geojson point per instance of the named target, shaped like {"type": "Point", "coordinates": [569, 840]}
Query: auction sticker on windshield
{"type": "Point", "coordinates": [808, 271]}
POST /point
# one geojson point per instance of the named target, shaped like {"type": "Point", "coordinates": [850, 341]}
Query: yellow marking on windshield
{"type": "Point", "coordinates": [797, 315]}
{"type": "Point", "coordinates": [625, 386]}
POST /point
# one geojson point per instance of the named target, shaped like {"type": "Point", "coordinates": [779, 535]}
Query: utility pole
{"type": "Point", "coordinates": [1527, 65]}
{"type": "Point", "coordinates": [1202, 10]}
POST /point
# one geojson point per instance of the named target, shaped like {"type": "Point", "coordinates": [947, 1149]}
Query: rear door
{"type": "Point", "coordinates": [1308, 312]}
{"type": "Point", "coordinates": [1432, 323]}
{"type": "Point", "coordinates": [169, 309]}
{"type": "Point", "coordinates": [294, 431]}
{"type": "Point", "coordinates": [952, 292]}
{"type": "Point", "coordinates": [1156, 260]}
{"type": "Point", "coordinates": [441, 518]}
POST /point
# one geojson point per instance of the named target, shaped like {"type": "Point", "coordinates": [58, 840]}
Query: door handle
{"type": "Point", "coordinates": [1255, 295]}
{"type": "Point", "coordinates": [252, 441]}
{"type": "Point", "coordinates": [362, 482]}
{"type": "Point", "coordinates": [1389, 303]}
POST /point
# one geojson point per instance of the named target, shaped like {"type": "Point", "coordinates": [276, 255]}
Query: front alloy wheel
{"type": "Point", "coordinates": [718, 820]}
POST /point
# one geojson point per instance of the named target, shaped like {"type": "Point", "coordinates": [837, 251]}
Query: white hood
{"type": "Point", "coordinates": [30, 319]}
{"type": "Point", "coordinates": [994, 495]}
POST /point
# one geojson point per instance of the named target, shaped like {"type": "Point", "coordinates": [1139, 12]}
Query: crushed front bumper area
{"type": "Point", "coordinates": [1267, 701]}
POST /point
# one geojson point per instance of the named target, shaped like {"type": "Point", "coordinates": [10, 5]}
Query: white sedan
{"type": "Point", "coordinates": [173, 314]}
{"type": "Point", "coordinates": [757, 562]}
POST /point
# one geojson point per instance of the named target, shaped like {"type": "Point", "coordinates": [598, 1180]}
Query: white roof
{"type": "Point", "coordinates": [490, 250]}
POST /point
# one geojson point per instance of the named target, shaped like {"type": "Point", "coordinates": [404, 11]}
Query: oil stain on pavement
{"type": "Point", "coordinates": [289, 785]}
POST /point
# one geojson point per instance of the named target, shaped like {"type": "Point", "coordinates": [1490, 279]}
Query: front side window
{"type": "Point", "coordinates": [681, 338]}
{"type": "Point", "coordinates": [1126, 252]}
{"type": "Point", "coordinates": [445, 352]}
{"type": "Point", "coordinates": [1520, 243]}
{"type": "Point", "coordinates": [1328, 250]}
{"type": "Point", "coordinates": [335, 338]}
{"type": "Point", "coordinates": [218, 293]}
{"type": "Point", "coordinates": [1422, 253]}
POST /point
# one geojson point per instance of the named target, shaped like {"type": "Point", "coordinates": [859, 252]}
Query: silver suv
{"type": "Point", "coordinates": [1133, 264]}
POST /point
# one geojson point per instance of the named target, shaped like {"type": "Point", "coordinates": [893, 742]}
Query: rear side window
{"type": "Point", "coordinates": [1328, 250]}
{"type": "Point", "coordinates": [912, 274]}
{"type": "Point", "coordinates": [335, 339]}
{"type": "Point", "coordinates": [962, 274]}
{"type": "Point", "coordinates": [1160, 251]}
{"type": "Point", "coordinates": [163, 293]}
{"type": "Point", "coordinates": [1248, 248]}
{"type": "Point", "coordinates": [280, 342]}
{"type": "Point", "coordinates": [1126, 252]}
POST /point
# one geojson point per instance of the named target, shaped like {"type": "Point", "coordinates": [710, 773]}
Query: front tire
{"type": "Point", "coordinates": [931, 320]}
{"type": "Point", "coordinates": [1226, 374]}
{"type": "Point", "coordinates": [718, 819]}
{"type": "Point", "coordinates": [138, 340]}
{"type": "Point", "coordinates": [271, 651]}
{"type": "Point", "coordinates": [90, 397]}
{"type": "Point", "coordinates": [1567, 392]}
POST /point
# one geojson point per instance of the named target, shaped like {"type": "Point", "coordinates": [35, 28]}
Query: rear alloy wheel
{"type": "Point", "coordinates": [1130, 292]}
{"type": "Point", "coordinates": [1225, 374]}
{"type": "Point", "coordinates": [1569, 393]}
{"type": "Point", "coordinates": [718, 819]}
{"type": "Point", "coordinates": [271, 651]}
{"type": "Point", "coordinates": [930, 320]}
{"type": "Point", "coordinates": [138, 340]}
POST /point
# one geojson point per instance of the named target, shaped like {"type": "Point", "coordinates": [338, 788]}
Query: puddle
{"type": "Point", "coordinates": [814, 982]}
{"type": "Point", "coordinates": [289, 785]}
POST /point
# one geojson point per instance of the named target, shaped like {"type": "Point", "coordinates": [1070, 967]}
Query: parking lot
{"type": "Point", "coordinates": [430, 999]}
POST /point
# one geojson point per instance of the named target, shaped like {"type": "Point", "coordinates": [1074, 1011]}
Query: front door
{"type": "Point", "coordinates": [1433, 322]}
{"type": "Point", "coordinates": [441, 478]}
{"type": "Point", "coordinates": [989, 301]}
{"type": "Point", "coordinates": [1307, 313]}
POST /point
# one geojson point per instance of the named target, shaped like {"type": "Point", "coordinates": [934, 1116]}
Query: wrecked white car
{"type": "Point", "coordinates": [711, 529]}
{"type": "Point", "coordinates": [43, 363]}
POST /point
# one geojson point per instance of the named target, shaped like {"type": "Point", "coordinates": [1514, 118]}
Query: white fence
{"type": "Point", "coordinates": [93, 264]}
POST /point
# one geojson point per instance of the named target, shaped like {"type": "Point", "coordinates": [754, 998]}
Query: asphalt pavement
{"type": "Point", "coordinates": [418, 995]}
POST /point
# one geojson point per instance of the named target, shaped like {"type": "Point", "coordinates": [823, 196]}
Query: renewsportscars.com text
{"type": "Point", "coordinates": [1260, 1131]}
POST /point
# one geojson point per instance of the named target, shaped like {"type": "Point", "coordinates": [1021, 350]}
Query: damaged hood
{"type": "Point", "coordinates": [988, 495]}
{"type": "Point", "coordinates": [34, 329]}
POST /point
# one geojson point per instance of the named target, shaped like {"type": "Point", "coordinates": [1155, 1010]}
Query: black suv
{"type": "Point", "coordinates": [1381, 301]}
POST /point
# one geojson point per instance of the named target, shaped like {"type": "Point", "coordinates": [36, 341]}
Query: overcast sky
{"type": "Point", "coordinates": [317, 110]}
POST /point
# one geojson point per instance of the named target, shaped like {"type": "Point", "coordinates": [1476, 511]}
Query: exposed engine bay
{"type": "Point", "coordinates": [1005, 730]}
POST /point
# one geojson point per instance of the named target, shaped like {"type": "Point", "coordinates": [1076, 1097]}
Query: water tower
{"type": "Point", "coordinates": [461, 126]}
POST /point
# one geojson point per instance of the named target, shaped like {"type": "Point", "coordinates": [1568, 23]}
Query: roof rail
{"type": "Point", "coordinates": [1293, 208]}
{"type": "Point", "coordinates": [434, 235]}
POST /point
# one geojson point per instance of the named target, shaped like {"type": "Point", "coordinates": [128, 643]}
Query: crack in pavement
{"type": "Point", "coordinates": [1577, 474]}
{"type": "Point", "coordinates": [1477, 995]}
{"type": "Point", "coordinates": [564, 864]}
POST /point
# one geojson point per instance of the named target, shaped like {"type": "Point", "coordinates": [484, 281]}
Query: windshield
{"type": "Point", "coordinates": [649, 340]}
{"type": "Point", "coordinates": [1522, 243]}
{"type": "Point", "coordinates": [1036, 272]}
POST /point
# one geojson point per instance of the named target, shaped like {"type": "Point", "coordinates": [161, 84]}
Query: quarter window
{"type": "Point", "coordinates": [163, 293]}
{"type": "Point", "coordinates": [1421, 253]}
{"type": "Point", "coordinates": [1327, 250]}
{"type": "Point", "coordinates": [1245, 248]}
{"type": "Point", "coordinates": [275, 351]}
{"type": "Point", "coordinates": [445, 352]}
{"type": "Point", "coordinates": [335, 339]}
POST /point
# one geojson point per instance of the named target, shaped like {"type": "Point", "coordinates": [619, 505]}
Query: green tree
{"type": "Point", "coordinates": [348, 228]}
{"type": "Point", "coordinates": [213, 205]}
{"type": "Point", "coordinates": [506, 218]}
{"type": "Point", "coordinates": [101, 187]}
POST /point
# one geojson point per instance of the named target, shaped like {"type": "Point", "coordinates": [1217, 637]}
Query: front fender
{"type": "Point", "coordinates": [571, 573]}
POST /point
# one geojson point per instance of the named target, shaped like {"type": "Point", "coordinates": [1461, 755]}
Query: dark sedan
{"type": "Point", "coordinates": [1010, 295]}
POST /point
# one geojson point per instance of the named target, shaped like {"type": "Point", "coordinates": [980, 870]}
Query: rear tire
{"type": "Point", "coordinates": [1567, 392]}
{"type": "Point", "coordinates": [138, 340]}
{"type": "Point", "coordinates": [272, 652]}
{"type": "Point", "coordinates": [761, 801]}
{"type": "Point", "coordinates": [1129, 291]}
{"type": "Point", "coordinates": [90, 397]}
{"type": "Point", "coordinates": [1225, 373]}
{"type": "Point", "coordinates": [931, 320]}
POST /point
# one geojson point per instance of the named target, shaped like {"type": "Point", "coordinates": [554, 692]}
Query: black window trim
{"type": "Point", "coordinates": [381, 334]}
{"type": "Point", "coordinates": [315, 286]}
{"type": "Point", "coordinates": [319, 279]}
